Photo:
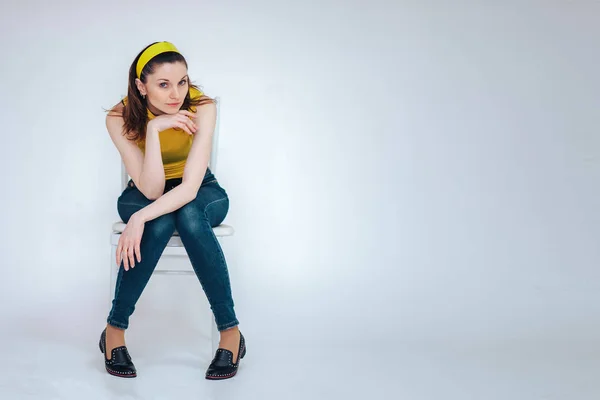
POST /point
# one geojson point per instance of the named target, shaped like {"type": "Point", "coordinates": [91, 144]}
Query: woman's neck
{"type": "Point", "coordinates": [154, 110]}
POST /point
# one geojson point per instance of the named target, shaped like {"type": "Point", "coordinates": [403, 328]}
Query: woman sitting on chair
{"type": "Point", "coordinates": [163, 131]}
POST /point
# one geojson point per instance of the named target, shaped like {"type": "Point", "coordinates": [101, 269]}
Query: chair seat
{"type": "Point", "coordinates": [220, 231]}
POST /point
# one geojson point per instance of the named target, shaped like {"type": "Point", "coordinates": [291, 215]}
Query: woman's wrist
{"type": "Point", "coordinates": [150, 129]}
{"type": "Point", "coordinates": [139, 216]}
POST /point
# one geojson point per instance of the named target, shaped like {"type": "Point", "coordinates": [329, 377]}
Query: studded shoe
{"type": "Point", "coordinates": [222, 365]}
{"type": "Point", "coordinates": [120, 363]}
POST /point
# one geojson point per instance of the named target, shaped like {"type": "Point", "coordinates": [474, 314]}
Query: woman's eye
{"type": "Point", "coordinates": [163, 83]}
{"type": "Point", "coordinates": [183, 82]}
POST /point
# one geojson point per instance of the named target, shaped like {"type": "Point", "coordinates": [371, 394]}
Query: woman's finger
{"type": "Point", "coordinates": [189, 113]}
{"type": "Point", "coordinates": [130, 255]}
{"type": "Point", "coordinates": [138, 252]}
{"type": "Point", "coordinates": [184, 127]}
{"type": "Point", "coordinates": [125, 260]}
{"type": "Point", "coordinates": [119, 249]}
{"type": "Point", "coordinates": [191, 125]}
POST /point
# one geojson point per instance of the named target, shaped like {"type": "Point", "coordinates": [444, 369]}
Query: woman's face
{"type": "Point", "coordinates": [165, 88]}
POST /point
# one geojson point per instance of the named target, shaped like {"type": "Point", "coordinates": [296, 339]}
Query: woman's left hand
{"type": "Point", "coordinates": [129, 242]}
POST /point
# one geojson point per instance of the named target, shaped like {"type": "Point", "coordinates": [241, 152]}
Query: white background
{"type": "Point", "coordinates": [409, 181]}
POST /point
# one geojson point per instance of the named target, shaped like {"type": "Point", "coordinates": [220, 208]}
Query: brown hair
{"type": "Point", "coordinates": [134, 113]}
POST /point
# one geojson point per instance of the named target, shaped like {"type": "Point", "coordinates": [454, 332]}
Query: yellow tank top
{"type": "Point", "coordinates": [174, 145]}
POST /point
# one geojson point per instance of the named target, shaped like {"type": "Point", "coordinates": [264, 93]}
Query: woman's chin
{"type": "Point", "coordinates": [170, 111]}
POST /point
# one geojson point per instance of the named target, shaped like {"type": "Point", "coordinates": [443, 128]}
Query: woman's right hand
{"type": "Point", "coordinates": [180, 120]}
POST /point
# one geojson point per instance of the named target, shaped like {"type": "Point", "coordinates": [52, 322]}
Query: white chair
{"type": "Point", "coordinates": [174, 246]}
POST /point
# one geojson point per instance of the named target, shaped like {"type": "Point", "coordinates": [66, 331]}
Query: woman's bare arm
{"type": "Point", "coordinates": [195, 168]}
{"type": "Point", "coordinates": [147, 171]}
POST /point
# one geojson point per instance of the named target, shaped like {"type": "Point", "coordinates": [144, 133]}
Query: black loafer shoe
{"type": "Point", "coordinates": [222, 366]}
{"type": "Point", "coordinates": [120, 363]}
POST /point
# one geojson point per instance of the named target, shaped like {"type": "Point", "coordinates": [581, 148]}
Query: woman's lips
{"type": "Point", "coordinates": [173, 104]}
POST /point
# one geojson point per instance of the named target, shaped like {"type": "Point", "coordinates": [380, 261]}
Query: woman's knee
{"type": "Point", "coordinates": [163, 226]}
{"type": "Point", "coordinates": [190, 217]}
{"type": "Point", "coordinates": [217, 211]}
{"type": "Point", "coordinates": [130, 202]}
{"type": "Point", "coordinates": [197, 214]}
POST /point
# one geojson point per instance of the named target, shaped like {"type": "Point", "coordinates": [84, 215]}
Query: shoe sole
{"type": "Point", "coordinates": [119, 375]}
{"type": "Point", "coordinates": [216, 378]}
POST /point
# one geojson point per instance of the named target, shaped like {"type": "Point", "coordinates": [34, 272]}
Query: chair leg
{"type": "Point", "coordinates": [114, 269]}
{"type": "Point", "coordinates": [214, 335]}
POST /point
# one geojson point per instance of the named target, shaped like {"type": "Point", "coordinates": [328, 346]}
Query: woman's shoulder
{"type": "Point", "coordinates": [195, 93]}
{"type": "Point", "coordinates": [115, 111]}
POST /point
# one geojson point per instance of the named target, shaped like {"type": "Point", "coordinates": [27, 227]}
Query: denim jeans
{"type": "Point", "coordinates": [193, 222]}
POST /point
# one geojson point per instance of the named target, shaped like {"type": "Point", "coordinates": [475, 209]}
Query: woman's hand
{"type": "Point", "coordinates": [180, 120]}
{"type": "Point", "coordinates": [129, 242]}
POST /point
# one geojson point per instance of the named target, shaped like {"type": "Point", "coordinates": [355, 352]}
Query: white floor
{"type": "Point", "coordinates": [50, 349]}
{"type": "Point", "coordinates": [46, 360]}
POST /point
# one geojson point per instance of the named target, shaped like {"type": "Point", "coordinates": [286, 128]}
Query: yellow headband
{"type": "Point", "coordinates": [151, 52]}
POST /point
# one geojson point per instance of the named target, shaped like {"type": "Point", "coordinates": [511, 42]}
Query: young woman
{"type": "Point", "coordinates": [163, 131]}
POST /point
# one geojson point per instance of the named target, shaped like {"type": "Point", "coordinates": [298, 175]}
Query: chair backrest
{"type": "Point", "coordinates": [212, 163]}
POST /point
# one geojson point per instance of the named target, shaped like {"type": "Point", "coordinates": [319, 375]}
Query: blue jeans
{"type": "Point", "coordinates": [193, 222]}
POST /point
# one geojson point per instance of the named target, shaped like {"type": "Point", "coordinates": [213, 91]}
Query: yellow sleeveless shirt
{"type": "Point", "coordinates": [174, 145]}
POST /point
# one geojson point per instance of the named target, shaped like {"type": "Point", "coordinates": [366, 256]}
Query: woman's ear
{"type": "Point", "coordinates": [140, 86]}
